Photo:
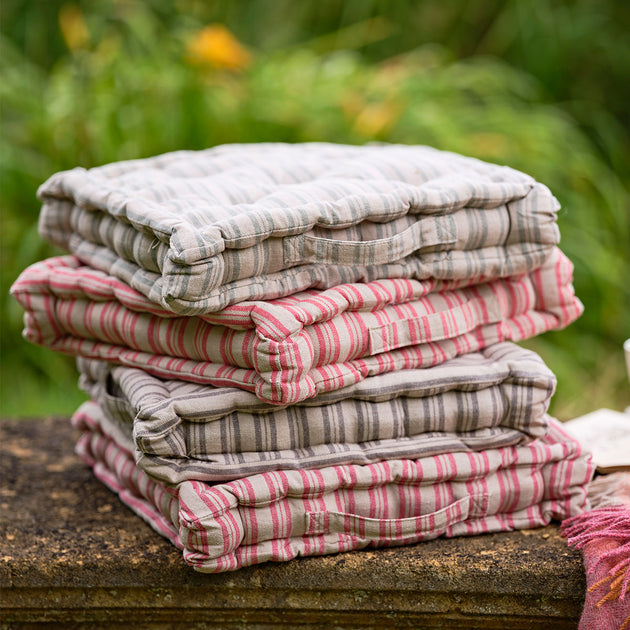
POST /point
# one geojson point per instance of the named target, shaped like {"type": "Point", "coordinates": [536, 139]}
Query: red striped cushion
{"type": "Point", "coordinates": [290, 349]}
{"type": "Point", "coordinates": [283, 514]}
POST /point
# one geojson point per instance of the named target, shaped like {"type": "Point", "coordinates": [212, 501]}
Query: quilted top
{"type": "Point", "coordinates": [205, 219]}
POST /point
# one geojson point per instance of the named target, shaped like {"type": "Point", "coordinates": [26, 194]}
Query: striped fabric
{"type": "Point", "coordinates": [198, 231]}
{"type": "Point", "coordinates": [284, 514]}
{"type": "Point", "coordinates": [305, 349]}
{"type": "Point", "coordinates": [289, 350]}
{"type": "Point", "coordinates": [497, 397]}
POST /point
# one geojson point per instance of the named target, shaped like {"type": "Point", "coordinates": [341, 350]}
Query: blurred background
{"type": "Point", "coordinates": [540, 85]}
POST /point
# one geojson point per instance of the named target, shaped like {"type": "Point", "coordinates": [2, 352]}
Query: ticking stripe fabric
{"type": "Point", "coordinates": [291, 349]}
{"type": "Point", "coordinates": [497, 397]}
{"type": "Point", "coordinates": [283, 514]}
{"type": "Point", "coordinates": [306, 349]}
{"type": "Point", "coordinates": [198, 231]}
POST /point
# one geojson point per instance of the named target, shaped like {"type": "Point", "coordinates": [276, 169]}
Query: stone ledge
{"type": "Point", "coordinates": [72, 555]}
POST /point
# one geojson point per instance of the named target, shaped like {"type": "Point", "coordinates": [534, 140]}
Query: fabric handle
{"type": "Point", "coordinates": [305, 248]}
{"type": "Point", "coordinates": [394, 528]}
{"type": "Point", "coordinates": [445, 324]}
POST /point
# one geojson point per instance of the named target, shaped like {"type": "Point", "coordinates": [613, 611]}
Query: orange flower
{"type": "Point", "coordinates": [489, 144]}
{"type": "Point", "coordinates": [73, 27]}
{"type": "Point", "coordinates": [215, 46]}
{"type": "Point", "coordinates": [376, 119]}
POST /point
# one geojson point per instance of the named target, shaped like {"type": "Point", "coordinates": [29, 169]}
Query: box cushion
{"type": "Point", "coordinates": [492, 398]}
{"type": "Point", "coordinates": [290, 349]}
{"type": "Point", "coordinates": [199, 230]}
{"type": "Point", "coordinates": [284, 514]}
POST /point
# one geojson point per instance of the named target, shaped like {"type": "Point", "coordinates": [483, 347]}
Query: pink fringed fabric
{"type": "Point", "coordinates": [603, 536]}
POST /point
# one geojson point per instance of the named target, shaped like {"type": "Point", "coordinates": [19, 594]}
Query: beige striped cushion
{"type": "Point", "coordinates": [197, 231]}
{"type": "Point", "coordinates": [487, 399]}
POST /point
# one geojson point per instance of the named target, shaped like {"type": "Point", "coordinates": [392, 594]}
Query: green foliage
{"type": "Point", "coordinates": [129, 89]}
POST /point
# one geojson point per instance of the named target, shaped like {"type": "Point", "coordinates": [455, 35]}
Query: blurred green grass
{"type": "Point", "coordinates": [544, 91]}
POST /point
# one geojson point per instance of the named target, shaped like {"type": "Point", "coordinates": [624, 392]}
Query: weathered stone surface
{"type": "Point", "coordinates": [71, 554]}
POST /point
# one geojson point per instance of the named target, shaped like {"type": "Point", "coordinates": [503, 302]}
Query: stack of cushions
{"type": "Point", "coordinates": [305, 349]}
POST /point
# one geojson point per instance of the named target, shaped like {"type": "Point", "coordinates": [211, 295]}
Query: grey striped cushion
{"type": "Point", "coordinates": [197, 231]}
{"type": "Point", "coordinates": [480, 400]}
